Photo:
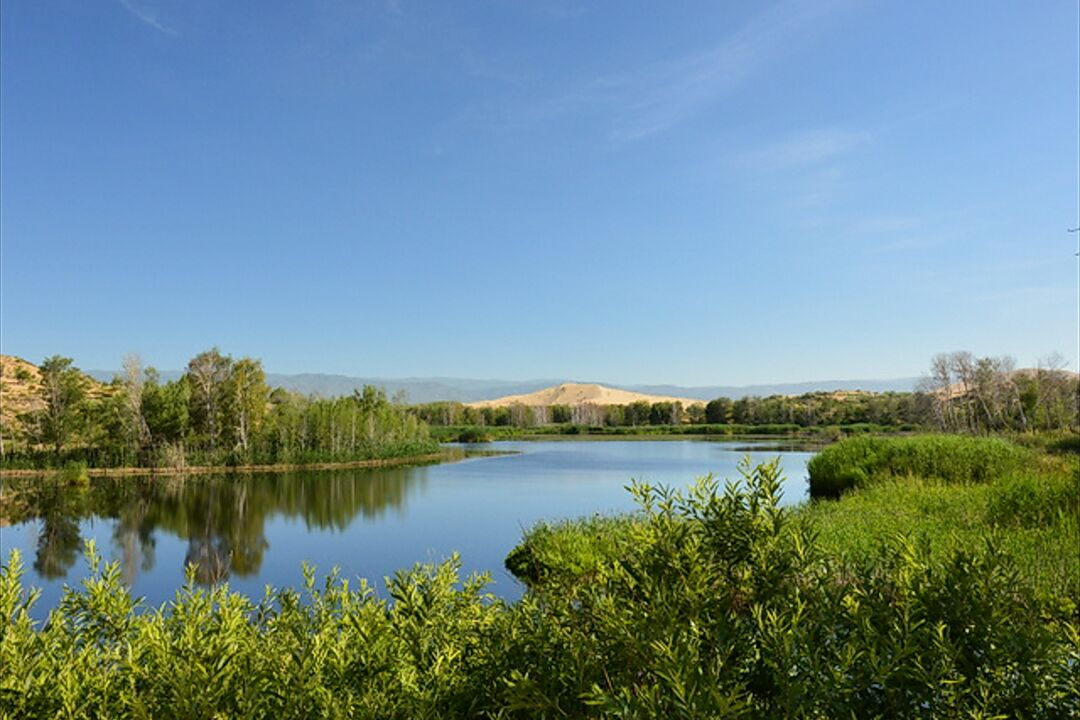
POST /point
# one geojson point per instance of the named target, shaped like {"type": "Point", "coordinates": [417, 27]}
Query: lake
{"type": "Point", "coordinates": [254, 530]}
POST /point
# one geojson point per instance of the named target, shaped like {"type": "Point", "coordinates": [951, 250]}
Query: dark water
{"type": "Point", "coordinates": [254, 530]}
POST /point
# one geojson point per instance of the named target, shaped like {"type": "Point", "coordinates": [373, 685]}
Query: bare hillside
{"type": "Point", "coordinates": [581, 394]}
{"type": "Point", "coordinates": [20, 383]}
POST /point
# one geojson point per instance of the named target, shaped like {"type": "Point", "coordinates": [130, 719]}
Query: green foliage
{"type": "Point", "coordinates": [859, 461]}
{"type": "Point", "coordinates": [165, 409]}
{"type": "Point", "coordinates": [573, 548]}
{"type": "Point", "coordinates": [328, 651]}
{"type": "Point", "coordinates": [1031, 500]}
{"type": "Point", "coordinates": [1033, 519]}
{"type": "Point", "coordinates": [561, 414]}
{"type": "Point", "coordinates": [707, 603]}
{"type": "Point", "coordinates": [221, 412]}
{"type": "Point", "coordinates": [975, 394]}
{"type": "Point", "coordinates": [473, 435]}
{"type": "Point", "coordinates": [64, 393]}
{"type": "Point", "coordinates": [74, 473]}
{"type": "Point", "coordinates": [507, 432]}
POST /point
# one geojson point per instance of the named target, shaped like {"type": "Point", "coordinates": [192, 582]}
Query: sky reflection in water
{"type": "Point", "coordinates": [254, 530]}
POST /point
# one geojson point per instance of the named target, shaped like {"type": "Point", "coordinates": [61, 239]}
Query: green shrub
{"type": "Point", "coordinates": [571, 549]}
{"type": "Point", "coordinates": [858, 461]}
{"type": "Point", "coordinates": [707, 603]}
{"type": "Point", "coordinates": [473, 435]}
{"type": "Point", "coordinates": [74, 473]}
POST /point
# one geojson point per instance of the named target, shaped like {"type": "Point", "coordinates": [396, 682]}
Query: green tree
{"type": "Point", "coordinates": [64, 392]}
{"type": "Point", "coordinates": [165, 409]}
{"type": "Point", "coordinates": [207, 374]}
{"type": "Point", "coordinates": [246, 396]}
{"type": "Point", "coordinates": [637, 413]}
{"type": "Point", "coordinates": [560, 413]}
{"type": "Point", "coordinates": [718, 411]}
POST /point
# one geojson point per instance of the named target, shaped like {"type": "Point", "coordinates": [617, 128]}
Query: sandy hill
{"type": "Point", "coordinates": [20, 382]}
{"type": "Point", "coordinates": [581, 394]}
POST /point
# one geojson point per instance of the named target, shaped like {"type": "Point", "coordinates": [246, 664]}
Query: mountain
{"type": "Point", "coordinates": [466, 390]}
{"type": "Point", "coordinates": [735, 392]}
{"type": "Point", "coordinates": [417, 390]}
{"type": "Point", "coordinates": [580, 394]}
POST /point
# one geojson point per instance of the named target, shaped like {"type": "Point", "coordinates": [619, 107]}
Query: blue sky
{"type": "Point", "coordinates": [693, 192]}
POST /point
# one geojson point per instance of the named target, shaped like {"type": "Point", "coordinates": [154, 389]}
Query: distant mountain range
{"type": "Point", "coordinates": [423, 390]}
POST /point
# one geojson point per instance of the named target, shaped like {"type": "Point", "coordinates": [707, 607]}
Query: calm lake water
{"type": "Point", "coordinates": [254, 530]}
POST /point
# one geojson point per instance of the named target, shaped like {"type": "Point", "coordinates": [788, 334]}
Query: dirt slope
{"type": "Point", "coordinates": [580, 394]}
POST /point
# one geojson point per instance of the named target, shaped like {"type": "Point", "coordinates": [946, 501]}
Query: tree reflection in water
{"type": "Point", "coordinates": [222, 517]}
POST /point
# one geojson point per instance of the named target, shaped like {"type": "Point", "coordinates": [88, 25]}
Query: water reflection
{"type": "Point", "coordinates": [222, 518]}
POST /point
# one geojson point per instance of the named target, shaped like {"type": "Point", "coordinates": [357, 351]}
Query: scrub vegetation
{"type": "Point", "coordinates": [709, 602]}
{"type": "Point", "coordinates": [932, 575]}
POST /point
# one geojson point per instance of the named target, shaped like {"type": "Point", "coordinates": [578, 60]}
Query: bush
{"type": "Point", "coordinates": [861, 460]}
{"type": "Point", "coordinates": [473, 435]}
{"type": "Point", "coordinates": [571, 549]}
{"type": "Point", "coordinates": [707, 603]}
{"type": "Point", "coordinates": [74, 473]}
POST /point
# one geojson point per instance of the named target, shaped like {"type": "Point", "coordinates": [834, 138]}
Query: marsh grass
{"type": "Point", "coordinates": [1031, 519]}
{"type": "Point", "coordinates": [953, 459]}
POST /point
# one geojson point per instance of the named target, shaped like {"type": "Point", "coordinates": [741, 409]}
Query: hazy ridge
{"type": "Point", "coordinates": [432, 389]}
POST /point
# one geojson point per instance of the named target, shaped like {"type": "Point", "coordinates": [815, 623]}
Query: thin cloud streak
{"type": "Point", "coordinates": [806, 148]}
{"type": "Point", "coordinates": [659, 96]}
{"type": "Point", "coordinates": [148, 17]}
{"type": "Point", "coordinates": [669, 93]}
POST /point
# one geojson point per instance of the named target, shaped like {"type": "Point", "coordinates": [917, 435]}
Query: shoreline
{"type": "Point", "coordinates": [425, 459]}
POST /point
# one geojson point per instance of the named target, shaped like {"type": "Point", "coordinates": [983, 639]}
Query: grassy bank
{"type": "Point", "coordinates": [711, 602]}
{"type": "Point", "coordinates": [422, 453]}
{"type": "Point", "coordinates": [945, 493]}
{"type": "Point", "coordinates": [952, 459]}
{"type": "Point", "coordinates": [487, 433]}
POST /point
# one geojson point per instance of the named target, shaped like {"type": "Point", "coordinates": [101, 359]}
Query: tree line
{"type": "Point", "coordinates": [807, 410]}
{"type": "Point", "coordinates": [220, 411]}
{"type": "Point", "coordinates": [983, 394]}
{"type": "Point", "coordinates": [960, 393]}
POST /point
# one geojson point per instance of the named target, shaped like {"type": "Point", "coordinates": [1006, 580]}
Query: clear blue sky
{"type": "Point", "coordinates": [692, 192]}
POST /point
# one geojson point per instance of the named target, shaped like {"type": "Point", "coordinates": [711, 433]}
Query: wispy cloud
{"type": "Point", "coordinates": [148, 15]}
{"type": "Point", "coordinates": [668, 93]}
{"type": "Point", "coordinates": [807, 148]}
{"type": "Point", "coordinates": [658, 96]}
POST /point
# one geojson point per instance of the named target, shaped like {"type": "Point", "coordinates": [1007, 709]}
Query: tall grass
{"type": "Point", "coordinates": [860, 461]}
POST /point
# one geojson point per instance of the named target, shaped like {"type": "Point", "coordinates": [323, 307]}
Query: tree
{"type": "Point", "coordinates": [637, 412]}
{"type": "Point", "coordinates": [165, 408]}
{"type": "Point", "coordinates": [718, 411]}
{"type": "Point", "coordinates": [972, 394]}
{"type": "Point", "coordinates": [207, 374]}
{"type": "Point", "coordinates": [64, 393]}
{"type": "Point", "coordinates": [247, 396]}
{"type": "Point", "coordinates": [133, 382]}
{"type": "Point", "coordinates": [560, 413]}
